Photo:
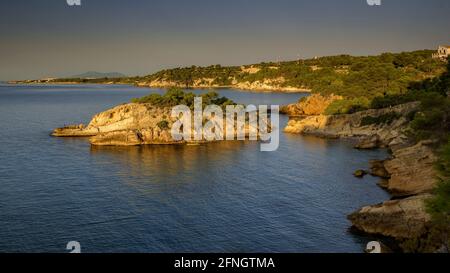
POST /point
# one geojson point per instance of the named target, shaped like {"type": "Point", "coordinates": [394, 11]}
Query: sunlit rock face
{"type": "Point", "coordinates": [144, 124]}
{"type": "Point", "coordinates": [124, 125]}
{"type": "Point", "coordinates": [350, 126]}
{"type": "Point", "coordinates": [312, 105]}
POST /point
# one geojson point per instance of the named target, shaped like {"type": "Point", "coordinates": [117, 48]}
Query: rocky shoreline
{"type": "Point", "coordinates": [408, 175]}
{"type": "Point", "coordinates": [247, 86]}
{"type": "Point", "coordinates": [125, 125]}
{"type": "Point", "coordinates": [256, 86]}
{"type": "Point", "coordinates": [134, 124]}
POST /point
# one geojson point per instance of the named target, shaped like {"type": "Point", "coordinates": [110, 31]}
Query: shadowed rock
{"type": "Point", "coordinates": [401, 219]}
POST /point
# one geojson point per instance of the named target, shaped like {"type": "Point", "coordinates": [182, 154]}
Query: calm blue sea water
{"type": "Point", "coordinates": [224, 197]}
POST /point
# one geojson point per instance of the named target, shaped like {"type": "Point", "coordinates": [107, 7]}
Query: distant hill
{"type": "Point", "coordinates": [359, 78]}
{"type": "Point", "coordinates": [362, 77]}
{"type": "Point", "coordinates": [98, 75]}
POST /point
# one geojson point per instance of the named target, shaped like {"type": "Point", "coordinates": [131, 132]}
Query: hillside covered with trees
{"type": "Point", "coordinates": [359, 78]}
{"type": "Point", "coordinates": [344, 75]}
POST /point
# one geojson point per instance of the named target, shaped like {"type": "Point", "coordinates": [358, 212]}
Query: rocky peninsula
{"type": "Point", "coordinates": [149, 120]}
{"type": "Point", "coordinates": [125, 125]}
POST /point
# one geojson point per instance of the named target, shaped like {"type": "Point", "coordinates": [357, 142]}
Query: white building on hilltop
{"type": "Point", "coordinates": [442, 53]}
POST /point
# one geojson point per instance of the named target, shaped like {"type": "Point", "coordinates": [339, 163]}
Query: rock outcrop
{"type": "Point", "coordinates": [410, 177]}
{"type": "Point", "coordinates": [276, 85]}
{"type": "Point", "coordinates": [409, 174]}
{"type": "Point", "coordinates": [350, 126]}
{"type": "Point", "coordinates": [136, 124]}
{"type": "Point", "coordinates": [377, 169]}
{"type": "Point", "coordinates": [134, 137]}
{"type": "Point", "coordinates": [411, 170]}
{"type": "Point", "coordinates": [312, 105]}
{"type": "Point", "coordinates": [360, 173]}
{"type": "Point", "coordinates": [400, 219]}
{"type": "Point", "coordinates": [127, 124]}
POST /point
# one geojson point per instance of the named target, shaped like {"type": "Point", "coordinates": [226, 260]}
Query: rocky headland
{"type": "Point", "coordinates": [134, 124]}
{"type": "Point", "coordinates": [373, 135]}
{"type": "Point", "coordinates": [409, 174]}
{"type": "Point", "coordinates": [125, 125]}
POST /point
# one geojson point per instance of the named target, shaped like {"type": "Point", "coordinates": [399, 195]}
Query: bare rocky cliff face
{"type": "Point", "coordinates": [410, 177]}
{"type": "Point", "coordinates": [269, 85]}
{"type": "Point", "coordinates": [276, 85]}
{"type": "Point", "coordinates": [312, 105]}
{"type": "Point", "coordinates": [350, 126]}
{"type": "Point", "coordinates": [400, 219]}
{"type": "Point", "coordinates": [409, 174]}
{"type": "Point", "coordinates": [125, 125]}
{"type": "Point", "coordinates": [135, 124]}
{"type": "Point", "coordinates": [411, 170]}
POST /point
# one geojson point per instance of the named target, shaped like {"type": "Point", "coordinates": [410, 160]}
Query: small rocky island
{"type": "Point", "coordinates": [145, 121]}
{"type": "Point", "coordinates": [125, 125]}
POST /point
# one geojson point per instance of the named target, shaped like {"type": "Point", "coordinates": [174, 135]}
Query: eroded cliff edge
{"type": "Point", "coordinates": [409, 174]}
{"type": "Point", "coordinates": [125, 125]}
{"type": "Point", "coordinates": [135, 124]}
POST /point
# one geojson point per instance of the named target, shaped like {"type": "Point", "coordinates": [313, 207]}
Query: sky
{"type": "Point", "coordinates": [48, 38]}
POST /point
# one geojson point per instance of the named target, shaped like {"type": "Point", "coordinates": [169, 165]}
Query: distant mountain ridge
{"type": "Point", "coordinates": [99, 75]}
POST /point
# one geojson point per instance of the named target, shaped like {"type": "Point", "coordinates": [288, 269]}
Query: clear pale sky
{"type": "Point", "coordinates": [41, 38]}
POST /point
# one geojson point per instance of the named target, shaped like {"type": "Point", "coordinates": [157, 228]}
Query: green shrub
{"type": "Point", "coordinates": [347, 106]}
{"type": "Point", "coordinates": [439, 205]}
{"type": "Point", "coordinates": [175, 96]}
{"type": "Point", "coordinates": [387, 101]}
{"type": "Point", "coordinates": [163, 125]}
{"type": "Point", "coordinates": [348, 76]}
{"type": "Point", "coordinates": [433, 119]}
{"type": "Point", "coordinates": [383, 119]}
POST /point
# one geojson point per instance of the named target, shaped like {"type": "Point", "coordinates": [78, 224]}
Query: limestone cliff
{"type": "Point", "coordinates": [127, 124]}
{"type": "Point", "coordinates": [410, 177]}
{"type": "Point", "coordinates": [400, 219]}
{"type": "Point", "coordinates": [134, 124]}
{"type": "Point", "coordinates": [350, 126]}
{"type": "Point", "coordinates": [274, 85]}
{"type": "Point", "coordinates": [269, 85]}
{"type": "Point", "coordinates": [312, 105]}
{"type": "Point", "coordinates": [411, 170]}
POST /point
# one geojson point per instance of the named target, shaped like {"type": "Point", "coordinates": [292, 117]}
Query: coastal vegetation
{"type": "Point", "coordinates": [433, 122]}
{"type": "Point", "coordinates": [357, 78]}
{"type": "Point", "coordinates": [415, 125]}
{"type": "Point", "coordinates": [387, 100]}
{"type": "Point", "coordinates": [345, 75]}
{"type": "Point", "coordinates": [383, 119]}
{"type": "Point", "coordinates": [175, 96]}
{"type": "Point", "coordinates": [163, 125]}
{"type": "Point", "coordinates": [104, 80]}
{"type": "Point", "coordinates": [430, 122]}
